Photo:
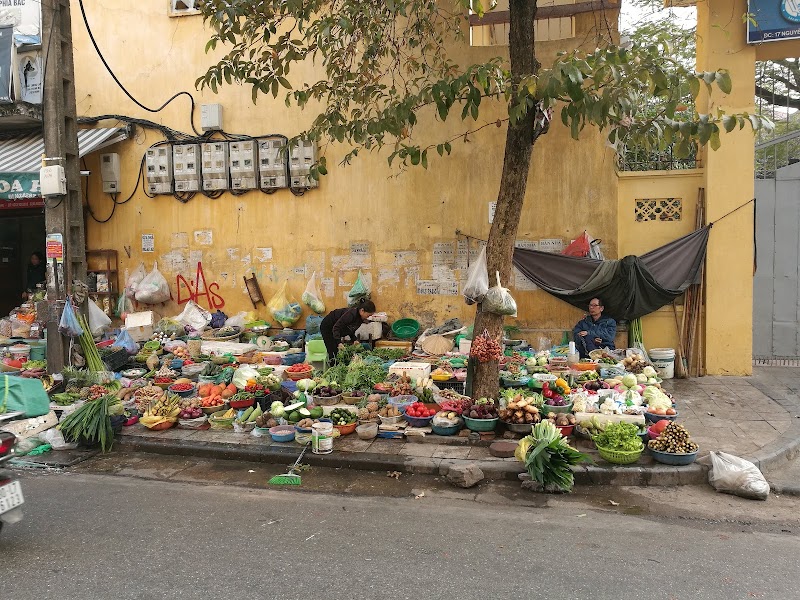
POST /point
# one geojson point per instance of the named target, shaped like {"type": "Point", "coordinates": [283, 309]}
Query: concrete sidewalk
{"type": "Point", "coordinates": [753, 417]}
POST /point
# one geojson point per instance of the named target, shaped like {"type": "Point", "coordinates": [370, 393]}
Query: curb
{"type": "Point", "coordinates": [790, 489]}
{"type": "Point", "coordinates": [505, 469]}
{"type": "Point", "coordinates": [787, 447]}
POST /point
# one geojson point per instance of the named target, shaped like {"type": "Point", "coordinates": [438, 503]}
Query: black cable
{"type": "Point", "coordinates": [122, 87]}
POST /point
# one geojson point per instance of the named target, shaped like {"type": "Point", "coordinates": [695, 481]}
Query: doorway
{"type": "Point", "coordinates": [21, 233]}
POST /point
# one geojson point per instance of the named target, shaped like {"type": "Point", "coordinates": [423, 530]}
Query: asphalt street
{"type": "Point", "coordinates": [89, 535]}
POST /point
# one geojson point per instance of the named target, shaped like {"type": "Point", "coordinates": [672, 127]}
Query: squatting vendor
{"type": "Point", "coordinates": [343, 323]}
{"type": "Point", "coordinates": [594, 331]}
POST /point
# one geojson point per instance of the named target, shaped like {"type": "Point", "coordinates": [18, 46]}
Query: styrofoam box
{"type": "Point", "coordinates": [412, 369]}
{"type": "Point", "coordinates": [140, 324]}
{"type": "Point", "coordinates": [636, 419]}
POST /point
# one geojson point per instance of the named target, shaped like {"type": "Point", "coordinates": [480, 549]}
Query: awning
{"type": "Point", "coordinates": [23, 154]}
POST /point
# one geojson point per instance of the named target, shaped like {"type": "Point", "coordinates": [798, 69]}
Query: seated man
{"type": "Point", "coordinates": [594, 331]}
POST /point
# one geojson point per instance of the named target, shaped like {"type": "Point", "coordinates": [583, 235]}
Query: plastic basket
{"type": "Point", "coordinates": [670, 458]}
{"type": "Point", "coordinates": [115, 359]}
{"type": "Point", "coordinates": [618, 457]}
{"type": "Point", "coordinates": [405, 328]}
{"type": "Point", "coordinates": [326, 400]}
{"type": "Point", "coordinates": [456, 386]}
{"type": "Point", "coordinates": [480, 424]}
{"type": "Point", "coordinates": [293, 358]}
{"type": "Point", "coordinates": [451, 430]}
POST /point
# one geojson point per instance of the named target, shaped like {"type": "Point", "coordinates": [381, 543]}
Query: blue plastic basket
{"type": "Point", "coordinates": [452, 430]}
{"type": "Point", "coordinates": [403, 402]}
{"type": "Point", "coordinates": [668, 458]}
{"type": "Point", "coordinates": [293, 359]}
{"type": "Point", "coordinates": [417, 421]}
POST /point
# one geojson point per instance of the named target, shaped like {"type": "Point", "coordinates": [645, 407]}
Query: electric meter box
{"type": "Point", "coordinates": [211, 117]}
{"type": "Point", "coordinates": [215, 166]}
{"type": "Point", "coordinates": [158, 168]}
{"type": "Point", "coordinates": [272, 164]}
{"type": "Point", "coordinates": [109, 172]}
{"type": "Point", "coordinates": [243, 165]}
{"type": "Point", "coordinates": [186, 161]}
{"type": "Point", "coordinates": [303, 157]}
{"type": "Point", "coordinates": [52, 181]}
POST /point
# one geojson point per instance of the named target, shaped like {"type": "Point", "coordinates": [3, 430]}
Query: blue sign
{"type": "Point", "coordinates": [773, 20]}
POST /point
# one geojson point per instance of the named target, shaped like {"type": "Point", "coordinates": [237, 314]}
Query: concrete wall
{"type": "Point", "coordinates": [397, 218]}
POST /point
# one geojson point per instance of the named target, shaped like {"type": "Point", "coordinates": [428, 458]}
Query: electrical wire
{"type": "Point", "coordinates": [122, 87]}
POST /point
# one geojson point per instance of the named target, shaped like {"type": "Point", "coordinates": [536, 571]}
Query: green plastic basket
{"type": "Point", "coordinates": [405, 328]}
{"type": "Point", "coordinates": [618, 457]}
{"type": "Point", "coordinates": [480, 424]}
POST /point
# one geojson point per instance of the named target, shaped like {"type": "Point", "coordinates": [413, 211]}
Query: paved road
{"type": "Point", "coordinates": [89, 535]}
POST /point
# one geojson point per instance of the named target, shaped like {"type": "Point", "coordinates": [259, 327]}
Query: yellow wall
{"type": "Point", "coordinates": [572, 185]}
{"type": "Point", "coordinates": [659, 328]}
{"type": "Point", "coordinates": [728, 183]}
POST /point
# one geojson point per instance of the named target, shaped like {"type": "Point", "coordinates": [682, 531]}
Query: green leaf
{"type": "Point", "coordinates": [723, 79]}
{"type": "Point", "coordinates": [715, 141]}
{"type": "Point", "coordinates": [285, 83]}
{"type": "Point", "coordinates": [574, 129]}
{"type": "Point", "coordinates": [729, 123]}
{"type": "Point", "coordinates": [694, 87]}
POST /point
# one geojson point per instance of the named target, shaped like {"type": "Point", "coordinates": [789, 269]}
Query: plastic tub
{"type": "Point", "coordinates": [282, 433]}
{"type": "Point", "coordinates": [405, 328]}
{"type": "Point", "coordinates": [669, 458]}
{"type": "Point", "coordinates": [450, 430]}
{"type": "Point", "coordinates": [417, 421]}
{"type": "Point", "coordinates": [402, 402]}
{"type": "Point", "coordinates": [480, 424]}
{"type": "Point", "coordinates": [653, 418]}
{"type": "Point", "coordinates": [663, 360]}
{"type": "Point", "coordinates": [367, 431]}
{"type": "Point", "coordinates": [547, 409]}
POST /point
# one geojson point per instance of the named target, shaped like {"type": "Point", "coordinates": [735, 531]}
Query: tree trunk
{"type": "Point", "coordinates": [516, 164]}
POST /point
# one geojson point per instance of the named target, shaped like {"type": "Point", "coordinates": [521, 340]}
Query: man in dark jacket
{"type": "Point", "coordinates": [594, 331]}
{"type": "Point", "coordinates": [343, 323]}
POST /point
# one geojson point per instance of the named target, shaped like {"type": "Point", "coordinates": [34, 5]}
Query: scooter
{"type": "Point", "coordinates": [11, 499]}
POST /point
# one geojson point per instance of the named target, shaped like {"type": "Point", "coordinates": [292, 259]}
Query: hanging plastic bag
{"type": "Point", "coordinates": [498, 300]}
{"type": "Point", "coordinates": [133, 280]}
{"type": "Point", "coordinates": [69, 325]}
{"type": "Point", "coordinates": [154, 288]}
{"type": "Point", "coordinates": [311, 297]}
{"type": "Point", "coordinates": [124, 306]}
{"type": "Point", "coordinates": [194, 316]}
{"type": "Point", "coordinates": [283, 309]}
{"type": "Point", "coordinates": [124, 340]}
{"type": "Point", "coordinates": [733, 475]}
{"type": "Point", "coordinates": [359, 292]}
{"type": "Point", "coordinates": [98, 320]}
{"type": "Point", "coordinates": [580, 247]}
{"type": "Point", "coordinates": [477, 280]}
{"type": "Point", "coordinates": [171, 327]}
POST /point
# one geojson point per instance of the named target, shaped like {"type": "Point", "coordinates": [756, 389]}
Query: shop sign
{"type": "Point", "coordinates": [773, 21]}
{"type": "Point", "coordinates": [20, 190]}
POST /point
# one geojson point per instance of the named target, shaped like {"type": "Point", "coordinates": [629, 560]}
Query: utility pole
{"type": "Point", "coordinates": [63, 214]}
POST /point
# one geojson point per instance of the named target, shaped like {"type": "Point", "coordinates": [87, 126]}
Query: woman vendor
{"type": "Point", "coordinates": [343, 323]}
{"type": "Point", "coordinates": [594, 331]}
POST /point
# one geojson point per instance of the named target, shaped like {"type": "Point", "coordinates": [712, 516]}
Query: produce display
{"type": "Point", "coordinates": [620, 437]}
{"type": "Point", "coordinates": [342, 416]}
{"type": "Point", "coordinates": [635, 364]}
{"type": "Point", "coordinates": [562, 419]}
{"type": "Point", "coordinates": [92, 422]}
{"type": "Point", "coordinates": [418, 410]}
{"type": "Point", "coordinates": [249, 415]}
{"type": "Point", "coordinates": [368, 409]}
{"type": "Point", "coordinates": [390, 410]}
{"type": "Point", "coordinates": [482, 409]}
{"type": "Point", "coordinates": [673, 439]}
{"type": "Point", "coordinates": [164, 410]}
{"type": "Point", "coordinates": [547, 456]}
{"type": "Point", "coordinates": [520, 411]}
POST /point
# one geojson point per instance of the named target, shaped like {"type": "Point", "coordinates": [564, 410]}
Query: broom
{"type": "Point", "coordinates": [290, 478]}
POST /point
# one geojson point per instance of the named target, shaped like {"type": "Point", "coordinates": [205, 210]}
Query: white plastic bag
{"type": "Point", "coordinates": [311, 297]}
{"type": "Point", "coordinates": [133, 280]}
{"type": "Point", "coordinates": [154, 288]}
{"type": "Point", "coordinates": [733, 475]}
{"type": "Point", "coordinates": [98, 320]}
{"type": "Point", "coordinates": [55, 438]}
{"type": "Point", "coordinates": [477, 280]}
{"type": "Point", "coordinates": [195, 316]}
{"type": "Point", "coordinates": [237, 320]}
{"type": "Point", "coordinates": [498, 300]}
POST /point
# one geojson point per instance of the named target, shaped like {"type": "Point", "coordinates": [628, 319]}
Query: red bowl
{"type": "Point", "coordinates": [566, 430]}
{"type": "Point", "coordinates": [346, 429]}
{"type": "Point", "coordinates": [241, 403]}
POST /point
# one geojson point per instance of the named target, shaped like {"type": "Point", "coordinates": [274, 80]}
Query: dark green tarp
{"type": "Point", "coordinates": [630, 287]}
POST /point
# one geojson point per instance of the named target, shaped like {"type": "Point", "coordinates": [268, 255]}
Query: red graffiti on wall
{"type": "Point", "coordinates": [197, 288]}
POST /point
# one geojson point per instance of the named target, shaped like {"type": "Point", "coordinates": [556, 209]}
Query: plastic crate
{"type": "Point", "coordinates": [114, 359]}
{"type": "Point", "coordinates": [456, 386]}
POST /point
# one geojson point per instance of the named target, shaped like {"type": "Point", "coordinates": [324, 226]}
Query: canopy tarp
{"type": "Point", "coordinates": [629, 287]}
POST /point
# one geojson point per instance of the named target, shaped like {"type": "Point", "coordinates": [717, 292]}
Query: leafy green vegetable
{"type": "Point", "coordinates": [362, 376]}
{"type": "Point", "coordinates": [548, 457]}
{"type": "Point", "coordinates": [620, 436]}
{"type": "Point", "coordinates": [91, 421]}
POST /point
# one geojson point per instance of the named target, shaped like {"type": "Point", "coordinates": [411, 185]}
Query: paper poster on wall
{"type": "Point", "coordinates": [527, 244]}
{"type": "Point", "coordinates": [148, 242]}
{"type": "Point", "coordinates": [326, 286]}
{"type": "Point", "coordinates": [448, 288]}
{"type": "Point", "coordinates": [54, 247]}
{"type": "Point", "coordinates": [204, 237]}
{"type": "Point", "coordinates": [522, 283]}
{"type": "Point", "coordinates": [492, 209]}
{"type": "Point", "coordinates": [443, 253]}
{"type": "Point", "coordinates": [427, 287]}
{"type": "Point", "coordinates": [553, 245]}
{"type": "Point", "coordinates": [462, 254]}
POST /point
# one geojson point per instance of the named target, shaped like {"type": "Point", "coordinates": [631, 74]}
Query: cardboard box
{"type": "Point", "coordinates": [140, 325]}
{"type": "Point", "coordinates": [412, 369]}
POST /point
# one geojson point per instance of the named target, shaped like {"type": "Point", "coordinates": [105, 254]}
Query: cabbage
{"type": "Point", "coordinates": [629, 380]}
{"type": "Point", "coordinates": [306, 385]}
{"type": "Point", "coordinates": [641, 378]}
{"type": "Point", "coordinates": [649, 371]}
{"type": "Point", "coordinates": [276, 409]}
